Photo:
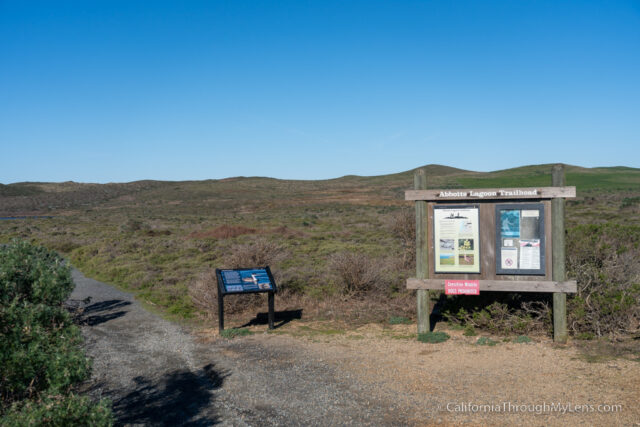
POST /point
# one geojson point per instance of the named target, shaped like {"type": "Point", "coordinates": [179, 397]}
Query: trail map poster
{"type": "Point", "coordinates": [456, 239]}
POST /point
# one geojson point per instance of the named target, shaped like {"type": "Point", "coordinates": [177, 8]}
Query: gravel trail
{"type": "Point", "coordinates": [156, 373]}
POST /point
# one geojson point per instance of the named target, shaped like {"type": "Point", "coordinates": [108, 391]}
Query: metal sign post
{"type": "Point", "coordinates": [245, 281]}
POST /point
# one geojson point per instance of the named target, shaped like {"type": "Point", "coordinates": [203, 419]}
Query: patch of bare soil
{"type": "Point", "coordinates": [459, 382]}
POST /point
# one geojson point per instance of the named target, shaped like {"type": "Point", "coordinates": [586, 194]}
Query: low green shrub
{"type": "Point", "coordinates": [41, 356]}
{"type": "Point", "coordinates": [486, 341]}
{"type": "Point", "coordinates": [585, 336]}
{"type": "Point", "coordinates": [469, 331]}
{"type": "Point", "coordinates": [629, 201]}
{"type": "Point", "coordinates": [34, 274]}
{"type": "Point", "coordinates": [56, 410]}
{"type": "Point", "coordinates": [522, 339]}
{"type": "Point", "coordinates": [433, 337]}
{"type": "Point", "coordinates": [399, 320]}
{"type": "Point", "coordinates": [235, 332]}
{"type": "Point", "coordinates": [40, 351]}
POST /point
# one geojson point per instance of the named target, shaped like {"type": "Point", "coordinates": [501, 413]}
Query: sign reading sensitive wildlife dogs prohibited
{"type": "Point", "coordinates": [462, 287]}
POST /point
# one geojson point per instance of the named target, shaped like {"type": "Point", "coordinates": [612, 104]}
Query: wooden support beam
{"type": "Point", "coordinates": [558, 257]}
{"type": "Point", "coordinates": [501, 285]}
{"type": "Point", "coordinates": [422, 257]}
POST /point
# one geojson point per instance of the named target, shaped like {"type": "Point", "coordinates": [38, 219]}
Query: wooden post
{"type": "Point", "coordinates": [422, 259]}
{"type": "Point", "coordinates": [558, 256]}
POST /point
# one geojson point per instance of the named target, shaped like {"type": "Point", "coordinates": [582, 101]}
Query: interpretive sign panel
{"type": "Point", "coordinates": [462, 287]}
{"type": "Point", "coordinates": [456, 239]}
{"type": "Point", "coordinates": [245, 280]}
{"type": "Point", "coordinates": [520, 239]}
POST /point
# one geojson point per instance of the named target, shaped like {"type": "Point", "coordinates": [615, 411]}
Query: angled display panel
{"type": "Point", "coordinates": [245, 280]}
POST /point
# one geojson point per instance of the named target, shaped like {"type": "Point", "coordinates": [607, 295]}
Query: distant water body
{"type": "Point", "coordinates": [24, 217]}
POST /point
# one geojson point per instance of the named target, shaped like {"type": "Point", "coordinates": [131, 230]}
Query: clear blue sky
{"type": "Point", "coordinates": [113, 91]}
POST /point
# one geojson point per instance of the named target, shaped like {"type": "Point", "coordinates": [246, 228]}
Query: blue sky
{"type": "Point", "coordinates": [114, 91]}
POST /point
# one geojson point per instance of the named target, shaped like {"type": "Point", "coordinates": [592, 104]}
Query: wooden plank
{"type": "Point", "coordinates": [558, 258]}
{"type": "Point", "coordinates": [422, 255]}
{"type": "Point", "coordinates": [491, 193]}
{"type": "Point", "coordinates": [570, 286]}
{"type": "Point", "coordinates": [487, 241]}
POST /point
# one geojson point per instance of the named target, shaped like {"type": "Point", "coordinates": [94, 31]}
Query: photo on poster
{"type": "Point", "coordinates": [447, 259]}
{"type": "Point", "coordinates": [456, 234]}
{"type": "Point", "coordinates": [465, 244]}
{"type": "Point", "coordinates": [466, 259]}
{"type": "Point", "coordinates": [447, 244]}
{"type": "Point", "coordinates": [510, 223]}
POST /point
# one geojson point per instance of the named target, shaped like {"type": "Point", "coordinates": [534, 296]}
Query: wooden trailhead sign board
{"type": "Point", "coordinates": [491, 239]}
{"type": "Point", "coordinates": [245, 281]}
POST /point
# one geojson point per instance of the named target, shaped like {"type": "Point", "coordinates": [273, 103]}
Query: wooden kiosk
{"type": "Point", "coordinates": [496, 239]}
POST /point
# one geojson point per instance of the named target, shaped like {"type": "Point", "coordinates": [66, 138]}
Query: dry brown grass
{"type": "Point", "coordinates": [204, 294]}
{"type": "Point", "coordinates": [223, 232]}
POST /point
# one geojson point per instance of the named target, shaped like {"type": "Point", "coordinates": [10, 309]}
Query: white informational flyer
{"type": "Point", "coordinates": [530, 254]}
{"type": "Point", "coordinates": [509, 258]}
{"type": "Point", "coordinates": [456, 238]}
{"type": "Point", "coordinates": [530, 213]}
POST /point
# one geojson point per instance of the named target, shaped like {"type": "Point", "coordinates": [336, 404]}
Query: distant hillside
{"type": "Point", "coordinates": [233, 193]}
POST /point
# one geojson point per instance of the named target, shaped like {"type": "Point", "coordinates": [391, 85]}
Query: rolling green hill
{"type": "Point", "coordinates": [232, 193]}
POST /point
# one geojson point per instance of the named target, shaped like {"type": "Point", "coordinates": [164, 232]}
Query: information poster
{"type": "Point", "coordinates": [520, 239]}
{"type": "Point", "coordinates": [255, 280]}
{"type": "Point", "coordinates": [456, 239]}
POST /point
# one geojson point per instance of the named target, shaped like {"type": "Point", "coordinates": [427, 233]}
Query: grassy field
{"type": "Point", "coordinates": [161, 240]}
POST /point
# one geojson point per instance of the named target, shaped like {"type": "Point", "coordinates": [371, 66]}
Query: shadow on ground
{"type": "Point", "coordinates": [101, 312]}
{"type": "Point", "coordinates": [94, 314]}
{"type": "Point", "coordinates": [178, 398]}
{"type": "Point", "coordinates": [280, 318]}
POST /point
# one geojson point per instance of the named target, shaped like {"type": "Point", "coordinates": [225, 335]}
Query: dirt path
{"type": "Point", "coordinates": [156, 373]}
{"type": "Point", "coordinates": [309, 374]}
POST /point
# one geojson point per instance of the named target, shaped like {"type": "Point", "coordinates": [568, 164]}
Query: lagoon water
{"type": "Point", "coordinates": [24, 217]}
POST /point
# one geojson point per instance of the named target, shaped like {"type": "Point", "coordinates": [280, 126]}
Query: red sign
{"type": "Point", "coordinates": [462, 287]}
